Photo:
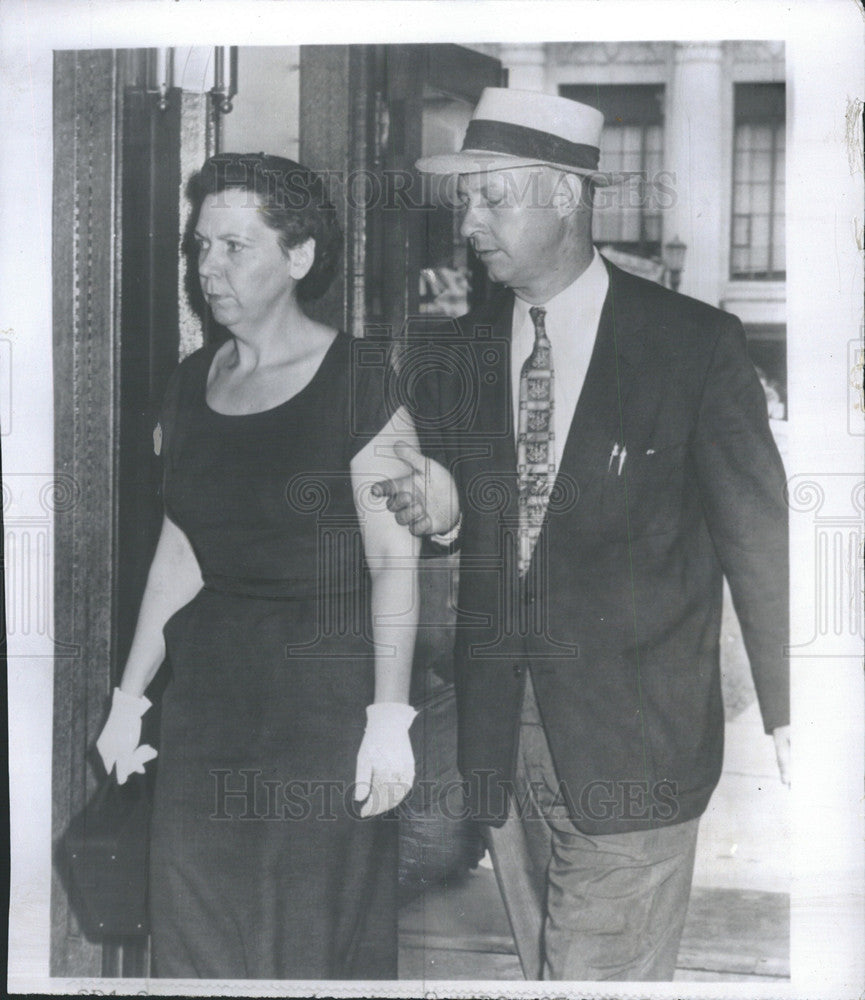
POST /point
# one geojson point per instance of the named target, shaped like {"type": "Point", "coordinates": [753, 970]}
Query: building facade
{"type": "Point", "coordinates": [701, 127]}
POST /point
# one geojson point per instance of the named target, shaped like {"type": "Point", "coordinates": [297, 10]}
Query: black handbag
{"type": "Point", "coordinates": [106, 851]}
{"type": "Point", "coordinates": [435, 842]}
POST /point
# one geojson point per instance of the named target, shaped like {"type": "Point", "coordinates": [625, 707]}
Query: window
{"type": "Point", "coordinates": [757, 243]}
{"type": "Point", "coordinates": [632, 142]}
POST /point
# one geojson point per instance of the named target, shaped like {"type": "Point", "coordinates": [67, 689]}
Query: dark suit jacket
{"type": "Point", "coordinates": [619, 618]}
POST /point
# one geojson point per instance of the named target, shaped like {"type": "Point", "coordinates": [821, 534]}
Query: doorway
{"type": "Point", "coordinates": [122, 321]}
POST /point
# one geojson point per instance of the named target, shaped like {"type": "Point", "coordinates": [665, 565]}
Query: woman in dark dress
{"type": "Point", "coordinates": [282, 596]}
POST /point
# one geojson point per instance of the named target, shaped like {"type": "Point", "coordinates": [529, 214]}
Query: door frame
{"type": "Point", "coordinates": [117, 279]}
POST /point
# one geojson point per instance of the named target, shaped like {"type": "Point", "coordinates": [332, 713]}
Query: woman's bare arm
{"type": "Point", "coordinates": [174, 579]}
{"type": "Point", "coordinates": [392, 556]}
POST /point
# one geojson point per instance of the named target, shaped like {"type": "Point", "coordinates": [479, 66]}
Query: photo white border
{"type": "Point", "coordinates": [824, 57]}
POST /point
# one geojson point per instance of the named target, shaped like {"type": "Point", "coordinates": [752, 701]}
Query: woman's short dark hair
{"type": "Point", "coordinates": [293, 201]}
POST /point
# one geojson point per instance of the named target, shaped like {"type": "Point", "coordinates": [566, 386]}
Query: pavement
{"type": "Point", "coordinates": [744, 840]}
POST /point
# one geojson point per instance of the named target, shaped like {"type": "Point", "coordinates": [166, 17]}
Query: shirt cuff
{"type": "Point", "coordinates": [449, 537]}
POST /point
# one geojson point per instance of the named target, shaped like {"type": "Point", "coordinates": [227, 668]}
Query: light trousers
{"type": "Point", "coordinates": [581, 907]}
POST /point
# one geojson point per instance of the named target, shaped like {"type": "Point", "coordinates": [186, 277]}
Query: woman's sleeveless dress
{"type": "Point", "coordinates": [260, 866]}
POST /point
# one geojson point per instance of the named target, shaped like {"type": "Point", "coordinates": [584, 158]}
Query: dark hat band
{"type": "Point", "coordinates": [529, 143]}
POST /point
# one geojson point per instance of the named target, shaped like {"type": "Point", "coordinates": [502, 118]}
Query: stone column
{"type": "Point", "coordinates": [694, 151]}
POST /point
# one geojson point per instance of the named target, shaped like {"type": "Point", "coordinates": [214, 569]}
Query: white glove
{"type": "Point", "coordinates": [385, 761]}
{"type": "Point", "coordinates": [118, 741]}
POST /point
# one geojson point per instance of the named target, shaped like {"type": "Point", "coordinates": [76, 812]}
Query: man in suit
{"type": "Point", "coordinates": [606, 444]}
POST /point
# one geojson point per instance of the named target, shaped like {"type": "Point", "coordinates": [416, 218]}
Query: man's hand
{"type": "Point", "coordinates": [426, 498]}
{"type": "Point", "coordinates": [782, 752]}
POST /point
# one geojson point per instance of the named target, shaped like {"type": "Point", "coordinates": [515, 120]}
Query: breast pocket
{"type": "Point", "coordinates": [642, 495]}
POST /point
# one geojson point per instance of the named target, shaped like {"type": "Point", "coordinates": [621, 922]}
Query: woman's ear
{"type": "Point", "coordinates": [300, 258]}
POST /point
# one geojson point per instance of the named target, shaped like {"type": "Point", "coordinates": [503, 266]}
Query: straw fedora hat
{"type": "Point", "coordinates": [522, 128]}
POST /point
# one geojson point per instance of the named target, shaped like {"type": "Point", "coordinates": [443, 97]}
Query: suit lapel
{"type": "Point", "coordinates": [600, 419]}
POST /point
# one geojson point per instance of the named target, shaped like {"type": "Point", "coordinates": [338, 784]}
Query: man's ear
{"type": "Point", "coordinates": [300, 258]}
{"type": "Point", "coordinates": [567, 192]}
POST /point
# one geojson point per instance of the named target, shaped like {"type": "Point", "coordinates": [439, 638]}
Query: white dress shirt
{"type": "Point", "coordinates": [571, 321]}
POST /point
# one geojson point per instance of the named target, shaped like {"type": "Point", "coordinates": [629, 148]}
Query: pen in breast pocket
{"type": "Point", "coordinates": [619, 452]}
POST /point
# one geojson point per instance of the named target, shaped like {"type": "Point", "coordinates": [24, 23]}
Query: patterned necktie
{"type": "Point", "coordinates": [536, 453]}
